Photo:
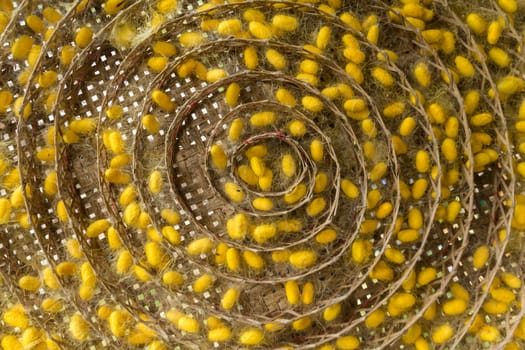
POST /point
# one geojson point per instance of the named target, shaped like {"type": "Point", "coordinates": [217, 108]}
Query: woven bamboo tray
{"type": "Point", "coordinates": [319, 174]}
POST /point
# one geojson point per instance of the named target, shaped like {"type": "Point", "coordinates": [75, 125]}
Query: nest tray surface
{"type": "Point", "coordinates": [310, 174]}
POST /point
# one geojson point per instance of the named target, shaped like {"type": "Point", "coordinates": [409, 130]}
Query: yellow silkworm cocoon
{"type": "Point", "coordinates": [289, 225]}
{"type": "Point", "coordinates": [188, 324]}
{"type": "Point", "coordinates": [316, 206]}
{"type": "Point", "coordinates": [21, 47]}
{"type": "Point", "coordinates": [83, 126]}
{"type": "Point", "coordinates": [263, 204]}
{"type": "Point", "coordinates": [317, 150]}
{"type": "Point", "coordinates": [426, 276]}
{"type": "Point", "coordinates": [154, 254]}
{"type": "Point", "coordinates": [453, 210]}
{"type": "Point", "coordinates": [476, 23]}
{"type": "Point", "coordinates": [16, 317]}
{"type": "Point", "coordinates": [384, 210]}
{"type": "Point", "coordinates": [78, 327]}
{"type": "Point", "coordinates": [29, 283]}
{"type": "Point", "coordinates": [494, 307]}
{"type": "Point", "coordinates": [276, 59]}
{"type": "Point", "coordinates": [382, 272]}
{"type": "Point", "coordinates": [229, 27]}
{"type": "Point", "coordinates": [312, 104]}
{"type": "Point", "coordinates": [237, 227]}
{"type": "Point", "coordinates": [265, 181]}
{"type": "Point", "coordinates": [372, 199]}
{"type": "Point", "coordinates": [66, 268]}
{"type": "Point", "coordinates": [331, 312]}
{"type": "Point", "coordinates": [408, 235]}
{"type": "Point", "coordinates": [302, 259]}
{"type": "Point", "coordinates": [164, 48]}
{"type": "Point", "coordinates": [157, 63]}
{"type": "Point", "coordinates": [131, 214]}
{"type": "Point", "coordinates": [368, 226]}
{"type": "Point", "coordinates": [230, 298]}
{"type": "Point", "coordinates": [263, 119]}
{"type": "Point", "coordinates": [375, 318]}
{"type": "Point", "coordinates": [378, 171]}
{"type": "Point", "coordinates": [161, 99]}
{"type": "Point", "coordinates": [115, 143]}
{"type": "Point", "coordinates": [302, 323]}
{"type": "Point", "coordinates": [260, 30]}
{"type": "Point", "coordinates": [256, 151]}
{"type": "Point", "coordinates": [309, 67]}
{"type": "Point", "coordinates": [289, 165]}
{"type": "Point", "coordinates": [67, 53]}
{"type": "Point", "coordinates": [172, 278]}
{"type": "Point", "coordinates": [509, 6]}
{"type": "Point", "coordinates": [369, 128]}
{"type": "Point", "coordinates": [354, 55]}
{"type": "Point", "coordinates": [251, 336]}
{"type": "Point", "coordinates": [120, 161]}
{"type": "Point", "coordinates": [6, 98]}
{"type": "Point", "coordinates": [218, 157]}
{"type": "Point", "coordinates": [494, 32]}
{"type": "Point", "coordinates": [257, 165]}
{"type": "Point", "coordinates": [422, 161]}
{"type": "Point", "coordinates": [296, 194]}
{"type": "Point", "coordinates": [361, 250]}
{"type": "Point", "coordinates": [150, 123]}
{"type": "Point", "coordinates": [355, 72]}
{"type": "Point", "coordinates": [285, 97]}
{"type": "Point", "coordinates": [394, 255]}
{"type": "Point", "coordinates": [297, 128]}
{"type": "Point", "coordinates": [419, 188]}
{"type": "Point", "coordinates": [220, 334]}
{"type": "Point", "coordinates": [511, 280]}
{"type": "Point", "coordinates": [114, 112]}
{"type": "Point", "coordinates": [348, 342]}
{"type": "Point", "coordinates": [155, 182]}
{"type": "Point", "coordinates": [307, 296]}
{"type": "Point", "coordinates": [74, 249]}
{"type": "Point", "coordinates": [394, 110]}
{"type": "Point", "coordinates": [502, 294]}
{"type": "Point", "coordinates": [171, 235]}
{"type": "Point", "coordinates": [415, 218]}
{"type": "Point", "coordinates": [422, 74]}
{"type": "Point", "coordinates": [191, 39]}
{"type": "Point", "coordinates": [170, 216]}
{"type": "Point", "coordinates": [124, 262]}
{"type": "Point", "coordinates": [264, 232]}
{"type": "Point", "coordinates": [382, 76]}
{"type": "Point", "coordinates": [232, 97]}
{"type": "Point", "coordinates": [216, 74]}
{"type": "Point", "coordinates": [464, 66]}
{"type": "Point", "coordinates": [452, 127]}
{"type": "Point", "coordinates": [349, 189]}
{"type": "Point", "coordinates": [292, 292]}
{"type": "Point", "coordinates": [284, 22]}
{"type": "Point", "coordinates": [97, 227]}
{"type": "Point", "coordinates": [308, 78]}
{"type": "Point", "coordinates": [323, 37]}
{"type": "Point", "coordinates": [52, 305]}
{"type": "Point", "coordinates": [32, 59]}
{"type": "Point", "coordinates": [247, 175]}
{"type": "Point", "coordinates": [233, 259]}
{"type": "Point", "coordinates": [127, 196]}
{"type": "Point", "coordinates": [499, 57]}
{"type": "Point", "coordinates": [449, 150]}
{"type": "Point", "coordinates": [50, 279]}
{"type": "Point", "coordinates": [321, 181]}
{"type": "Point", "coordinates": [251, 59]}
{"type": "Point", "coordinates": [252, 14]}
{"type": "Point", "coordinates": [203, 283]}
{"type": "Point", "coordinates": [442, 333]}
{"type": "Point", "coordinates": [480, 257]}
{"type": "Point", "coordinates": [83, 37]}
{"type": "Point", "coordinates": [200, 246]}
{"type": "Point", "coordinates": [253, 260]}
{"type": "Point", "coordinates": [35, 23]}
{"type": "Point", "coordinates": [412, 333]}
{"type": "Point", "coordinates": [489, 333]}
{"type": "Point", "coordinates": [331, 92]}
{"type": "Point", "coordinates": [372, 35]}
{"type": "Point", "coordinates": [509, 85]}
